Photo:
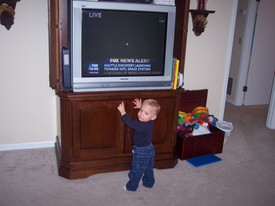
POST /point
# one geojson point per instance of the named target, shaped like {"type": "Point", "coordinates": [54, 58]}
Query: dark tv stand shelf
{"type": "Point", "coordinates": [94, 139]}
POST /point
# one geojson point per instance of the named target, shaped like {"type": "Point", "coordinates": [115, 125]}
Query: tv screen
{"type": "Point", "coordinates": [120, 46]}
{"type": "Point", "coordinates": [123, 43]}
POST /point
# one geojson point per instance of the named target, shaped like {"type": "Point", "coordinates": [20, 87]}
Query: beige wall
{"type": "Point", "coordinates": [28, 105]}
{"type": "Point", "coordinates": [208, 56]}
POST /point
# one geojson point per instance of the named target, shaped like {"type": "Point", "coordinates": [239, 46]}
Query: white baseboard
{"type": "Point", "coordinates": [31, 145]}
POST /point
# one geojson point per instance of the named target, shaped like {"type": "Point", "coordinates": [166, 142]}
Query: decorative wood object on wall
{"type": "Point", "coordinates": [199, 17]}
{"type": "Point", "coordinates": [7, 12]}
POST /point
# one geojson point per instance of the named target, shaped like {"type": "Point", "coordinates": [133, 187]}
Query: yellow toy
{"type": "Point", "coordinates": [181, 117]}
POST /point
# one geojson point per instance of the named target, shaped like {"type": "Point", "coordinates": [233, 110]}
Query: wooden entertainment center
{"type": "Point", "coordinates": [92, 137]}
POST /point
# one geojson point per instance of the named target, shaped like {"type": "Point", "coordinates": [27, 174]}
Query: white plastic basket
{"type": "Point", "coordinates": [227, 127]}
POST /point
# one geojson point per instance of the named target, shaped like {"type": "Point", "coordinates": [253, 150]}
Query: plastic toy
{"type": "Point", "coordinates": [200, 130]}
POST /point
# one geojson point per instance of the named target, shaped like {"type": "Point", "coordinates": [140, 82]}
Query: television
{"type": "Point", "coordinates": [121, 46]}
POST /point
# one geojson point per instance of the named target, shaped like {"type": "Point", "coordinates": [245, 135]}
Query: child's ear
{"type": "Point", "coordinates": [154, 117]}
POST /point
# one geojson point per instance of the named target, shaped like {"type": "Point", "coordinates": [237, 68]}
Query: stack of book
{"type": "Point", "coordinates": [175, 77]}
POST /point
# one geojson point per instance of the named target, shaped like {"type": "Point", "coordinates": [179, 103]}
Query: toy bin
{"type": "Point", "coordinates": [193, 146]}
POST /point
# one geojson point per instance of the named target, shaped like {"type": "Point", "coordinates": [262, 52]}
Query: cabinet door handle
{"type": "Point", "coordinates": [128, 133]}
{"type": "Point", "coordinates": [121, 131]}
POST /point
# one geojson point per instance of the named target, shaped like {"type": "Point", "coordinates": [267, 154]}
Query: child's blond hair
{"type": "Point", "coordinates": [153, 103]}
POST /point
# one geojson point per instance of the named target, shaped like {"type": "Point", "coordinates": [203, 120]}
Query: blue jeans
{"type": "Point", "coordinates": [142, 165]}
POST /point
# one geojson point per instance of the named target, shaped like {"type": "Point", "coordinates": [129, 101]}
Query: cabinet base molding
{"type": "Point", "coordinates": [77, 170]}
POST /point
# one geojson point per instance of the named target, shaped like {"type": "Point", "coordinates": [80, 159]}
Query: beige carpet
{"type": "Point", "coordinates": [244, 177]}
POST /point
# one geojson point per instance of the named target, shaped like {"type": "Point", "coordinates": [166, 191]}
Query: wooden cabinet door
{"type": "Point", "coordinates": [98, 131]}
{"type": "Point", "coordinates": [164, 131]}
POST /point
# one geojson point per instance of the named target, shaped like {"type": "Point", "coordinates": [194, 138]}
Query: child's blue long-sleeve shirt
{"type": "Point", "coordinates": [142, 131]}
